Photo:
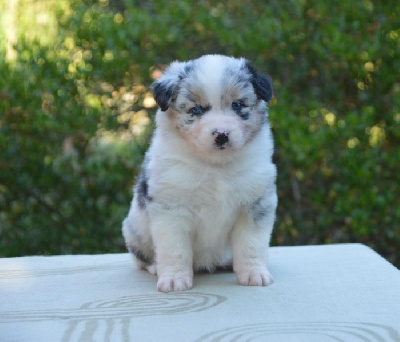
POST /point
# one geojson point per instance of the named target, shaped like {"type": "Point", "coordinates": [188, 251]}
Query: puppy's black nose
{"type": "Point", "coordinates": [221, 138]}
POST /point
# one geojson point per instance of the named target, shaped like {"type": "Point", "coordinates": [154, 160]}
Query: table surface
{"type": "Point", "coordinates": [341, 292]}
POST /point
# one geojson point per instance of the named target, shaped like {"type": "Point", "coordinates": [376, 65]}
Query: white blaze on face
{"type": "Point", "coordinates": [210, 73]}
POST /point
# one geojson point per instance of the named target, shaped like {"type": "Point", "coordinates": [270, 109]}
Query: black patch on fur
{"type": "Point", "coordinates": [142, 190]}
{"type": "Point", "coordinates": [262, 84]}
{"type": "Point", "coordinates": [140, 255]}
{"type": "Point", "coordinates": [259, 211]}
{"type": "Point", "coordinates": [244, 113]}
{"type": "Point", "coordinates": [162, 92]}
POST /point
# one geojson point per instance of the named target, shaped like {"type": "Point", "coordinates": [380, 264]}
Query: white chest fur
{"type": "Point", "coordinates": [210, 196]}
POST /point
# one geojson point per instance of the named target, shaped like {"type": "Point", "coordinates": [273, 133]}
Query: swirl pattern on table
{"type": "Point", "coordinates": [125, 307]}
{"type": "Point", "coordinates": [300, 331]}
{"type": "Point", "coordinates": [112, 317]}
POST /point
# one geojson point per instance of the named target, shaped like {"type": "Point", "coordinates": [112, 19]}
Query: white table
{"type": "Point", "coordinates": [321, 293]}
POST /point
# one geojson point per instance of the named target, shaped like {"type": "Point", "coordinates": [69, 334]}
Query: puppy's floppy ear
{"type": "Point", "coordinates": [162, 92]}
{"type": "Point", "coordinates": [165, 88]}
{"type": "Point", "coordinates": [261, 84]}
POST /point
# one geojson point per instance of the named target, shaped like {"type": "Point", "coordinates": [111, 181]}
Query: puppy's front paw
{"type": "Point", "coordinates": [174, 283]}
{"type": "Point", "coordinates": [254, 278]}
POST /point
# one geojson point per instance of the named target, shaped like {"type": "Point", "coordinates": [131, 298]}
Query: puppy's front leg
{"type": "Point", "coordinates": [250, 241]}
{"type": "Point", "coordinates": [174, 255]}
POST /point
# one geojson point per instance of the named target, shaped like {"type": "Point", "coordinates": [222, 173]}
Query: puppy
{"type": "Point", "coordinates": [206, 194]}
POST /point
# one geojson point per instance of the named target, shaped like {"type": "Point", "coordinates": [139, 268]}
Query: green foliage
{"type": "Point", "coordinates": [76, 116]}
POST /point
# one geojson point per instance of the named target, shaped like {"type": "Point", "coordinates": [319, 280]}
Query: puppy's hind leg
{"type": "Point", "coordinates": [135, 229]}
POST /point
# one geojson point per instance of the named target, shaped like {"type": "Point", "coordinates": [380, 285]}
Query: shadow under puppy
{"type": "Point", "coordinates": [206, 194]}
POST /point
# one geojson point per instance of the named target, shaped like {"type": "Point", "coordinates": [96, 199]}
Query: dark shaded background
{"type": "Point", "coordinates": [76, 114]}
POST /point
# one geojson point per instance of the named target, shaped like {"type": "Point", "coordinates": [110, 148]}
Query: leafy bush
{"type": "Point", "coordinates": [76, 115]}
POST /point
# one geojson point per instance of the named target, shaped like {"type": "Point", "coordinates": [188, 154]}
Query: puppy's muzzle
{"type": "Point", "coordinates": [221, 138]}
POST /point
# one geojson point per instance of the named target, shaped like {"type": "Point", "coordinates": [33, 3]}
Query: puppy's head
{"type": "Point", "coordinates": [215, 103]}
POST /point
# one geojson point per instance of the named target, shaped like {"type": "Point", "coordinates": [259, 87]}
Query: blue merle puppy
{"type": "Point", "coordinates": [206, 195]}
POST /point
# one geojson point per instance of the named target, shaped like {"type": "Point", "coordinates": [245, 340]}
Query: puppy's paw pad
{"type": "Point", "coordinates": [255, 278]}
{"type": "Point", "coordinates": [169, 284]}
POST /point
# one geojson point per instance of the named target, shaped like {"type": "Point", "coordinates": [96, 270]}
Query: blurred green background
{"type": "Point", "coordinates": [76, 114]}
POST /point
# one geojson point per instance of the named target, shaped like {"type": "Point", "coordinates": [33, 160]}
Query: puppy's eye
{"type": "Point", "coordinates": [196, 111]}
{"type": "Point", "coordinates": [237, 105]}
